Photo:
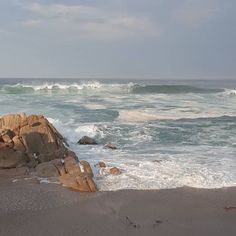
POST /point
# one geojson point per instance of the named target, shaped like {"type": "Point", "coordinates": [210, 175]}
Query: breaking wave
{"type": "Point", "coordinates": [96, 86]}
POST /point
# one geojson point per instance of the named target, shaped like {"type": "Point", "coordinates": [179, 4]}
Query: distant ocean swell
{"type": "Point", "coordinates": [102, 87]}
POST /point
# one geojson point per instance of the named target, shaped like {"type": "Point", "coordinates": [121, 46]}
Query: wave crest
{"type": "Point", "coordinates": [96, 86]}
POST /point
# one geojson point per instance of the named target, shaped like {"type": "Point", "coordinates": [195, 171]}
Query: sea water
{"type": "Point", "coordinates": [168, 133]}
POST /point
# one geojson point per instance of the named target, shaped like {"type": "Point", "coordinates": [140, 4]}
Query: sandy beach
{"type": "Point", "coordinates": [30, 208]}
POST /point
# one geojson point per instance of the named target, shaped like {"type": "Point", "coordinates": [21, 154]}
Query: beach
{"type": "Point", "coordinates": [30, 208]}
{"type": "Point", "coordinates": [174, 152]}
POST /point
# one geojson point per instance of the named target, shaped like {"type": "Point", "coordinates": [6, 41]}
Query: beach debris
{"type": "Point", "coordinates": [110, 146]}
{"type": "Point", "coordinates": [85, 140]}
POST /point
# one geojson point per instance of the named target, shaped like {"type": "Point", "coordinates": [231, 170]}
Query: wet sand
{"type": "Point", "coordinates": [30, 208]}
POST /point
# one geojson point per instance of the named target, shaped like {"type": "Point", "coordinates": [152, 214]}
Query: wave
{"type": "Point", "coordinates": [173, 89]}
{"type": "Point", "coordinates": [230, 92]}
{"type": "Point", "coordinates": [96, 86]}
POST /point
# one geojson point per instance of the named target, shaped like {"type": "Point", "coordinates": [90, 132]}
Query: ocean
{"type": "Point", "coordinates": [169, 133]}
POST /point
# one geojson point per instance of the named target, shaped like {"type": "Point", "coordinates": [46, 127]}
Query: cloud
{"type": "Point", "coordinates": [87, 21]}
{"type": "Point", "coordinates": [195, 13]}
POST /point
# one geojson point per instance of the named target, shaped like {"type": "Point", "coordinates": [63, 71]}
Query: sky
{"type": "Point", "coordinates": [184, 39]}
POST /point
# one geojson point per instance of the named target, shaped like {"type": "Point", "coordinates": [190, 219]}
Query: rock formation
{"type": "Point", "coordinates": [31, 141]}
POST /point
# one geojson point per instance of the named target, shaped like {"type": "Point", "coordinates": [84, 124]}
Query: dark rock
{"type": "Point", "coordinates": [87, 141]}
{"type": "Point", "coordinates": [101, 164]}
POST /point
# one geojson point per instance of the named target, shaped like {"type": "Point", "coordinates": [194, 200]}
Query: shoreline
{"type": "Point", "coordinates": [29, 208]}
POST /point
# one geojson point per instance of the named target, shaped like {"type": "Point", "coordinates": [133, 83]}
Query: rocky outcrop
{"type": "Point", "coordinates": [31, 136]}
{"type": "Point", "coordinates": [87, 141]}
{"type": "Point", "coordinates": [33, 142]}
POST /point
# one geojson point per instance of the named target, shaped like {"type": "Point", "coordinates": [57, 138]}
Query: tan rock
{"type": "Point", "coordinates": [69, 181]}
{"type": "Point", "coordinates": [59, 165]}
{"type": "Point", "coordinates": [86, 168]}
{"type": "Point", "coordinates": [114, 171]}
{"type": "Point", "coordinates": [81, 182]}
{"type": "Point", "coordinates": [91, 183]}
{"type": "Point", "coordinates": [13, 122]}
{"type": "Point", "coordinates": [7, 135]}
{"type": "Point", "coordinates": [72, 166]}
{"type": "Point", "coordinates": [18, 144]}
{"type": "Point", "coordinates": [33, 134]}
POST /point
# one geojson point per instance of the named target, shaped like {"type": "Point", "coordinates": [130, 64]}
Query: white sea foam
{"type": "Point", "coordinates": [140, 174]}
{"type": "Point", "coordinates": [230, 92]}
{"type": "Point", "coordinates": [94, 106]}
{"type": "Point", "coordinates": [172, 114]}
{"type": "Point", "coordinates": [75, 86]}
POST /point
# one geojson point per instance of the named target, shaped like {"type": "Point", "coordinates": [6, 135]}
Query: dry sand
{"type": "Point", "coordinates": [29, 208]}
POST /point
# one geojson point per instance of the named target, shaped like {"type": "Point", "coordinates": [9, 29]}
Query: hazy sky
{"type": "Point", "coordinates": [118, 38]}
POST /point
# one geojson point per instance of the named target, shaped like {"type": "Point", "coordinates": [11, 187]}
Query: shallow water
{"type": "Point", "coordinates": [168, 133]}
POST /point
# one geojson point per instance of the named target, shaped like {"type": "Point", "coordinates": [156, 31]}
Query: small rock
{"type": "Point", "coordinates": [87, 141]}
{"type": "Point", "coordinates": [114, 171]}
{"type": "Point", "coordinates": [110, 146]}
{"type": "Point", "coordinates": [101, 164]}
